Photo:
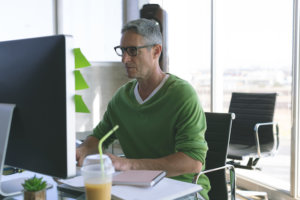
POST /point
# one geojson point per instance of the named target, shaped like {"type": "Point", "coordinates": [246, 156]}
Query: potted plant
{"type": "Point", "coordinates": [34, 189]}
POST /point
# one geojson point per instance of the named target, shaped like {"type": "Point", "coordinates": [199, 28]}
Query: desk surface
{"type": "Point", "coordinates": [54, 192]}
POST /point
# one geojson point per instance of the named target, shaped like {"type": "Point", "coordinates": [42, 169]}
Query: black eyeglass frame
{"type": "Point", "coordinates": [123, 49]}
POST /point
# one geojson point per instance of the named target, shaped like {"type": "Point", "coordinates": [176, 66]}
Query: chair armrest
{"type": "Point", "coordinates": [276, 139]}
{"type": "Point", "coordinates": [231, 176]}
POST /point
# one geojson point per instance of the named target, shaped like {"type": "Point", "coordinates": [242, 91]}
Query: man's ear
{"type": "Point", "coordinates": [157, 51]}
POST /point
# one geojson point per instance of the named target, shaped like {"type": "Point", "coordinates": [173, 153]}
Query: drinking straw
{"type": "Point", "coordinates": [100, 145]}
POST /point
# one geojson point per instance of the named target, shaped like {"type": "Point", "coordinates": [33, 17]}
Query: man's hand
{"type": "Point", "coordinates": [120, 164]}
{"type": "Point", "coordinates": [89, 146]}
{"type": "Point", "coordinates": [80, 155]}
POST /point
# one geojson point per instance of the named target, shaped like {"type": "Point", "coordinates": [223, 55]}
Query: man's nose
{"type": "Point", "coordinates": [125, 57]}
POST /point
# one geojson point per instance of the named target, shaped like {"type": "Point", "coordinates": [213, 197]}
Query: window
{"type": "Point", "coordinates": [26, 19]}
{"type": "Point", "coordinates": [189, 44]}
{"type": "Point", "coordinates": [95, 28]}
{"type": "Point", "coordinates": [254, 51]}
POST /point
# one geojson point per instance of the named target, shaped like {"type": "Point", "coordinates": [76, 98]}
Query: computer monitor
{"type": "Point", "coordinates": [37, 85]}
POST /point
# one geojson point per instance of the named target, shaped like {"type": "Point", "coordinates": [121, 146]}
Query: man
{"type": "Point", "coordinates": [161, 122]}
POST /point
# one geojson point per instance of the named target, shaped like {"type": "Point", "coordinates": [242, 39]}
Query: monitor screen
{"type": "Point", "coordinates": [36, 75]}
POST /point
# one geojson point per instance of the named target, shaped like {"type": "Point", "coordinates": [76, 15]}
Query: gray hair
{"type": "Point", "coordinates": [148, 29]}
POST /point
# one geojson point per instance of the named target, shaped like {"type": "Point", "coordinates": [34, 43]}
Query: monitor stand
{"type": "Point", "coordinates": [13, 186]}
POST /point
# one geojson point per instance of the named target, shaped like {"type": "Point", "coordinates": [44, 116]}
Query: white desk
{"type": "Point", "coordinates": [127, 192]}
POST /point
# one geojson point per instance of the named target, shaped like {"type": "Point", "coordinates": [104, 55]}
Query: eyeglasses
{"type": "Point", "coordinates": [131, 51]}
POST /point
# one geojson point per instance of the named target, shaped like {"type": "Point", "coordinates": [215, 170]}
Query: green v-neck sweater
{"type": "Point", "coordinates": [170, 121]}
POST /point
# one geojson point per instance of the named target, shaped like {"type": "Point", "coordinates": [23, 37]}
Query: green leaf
{"type": "Point", "coordinates": [34, 184]}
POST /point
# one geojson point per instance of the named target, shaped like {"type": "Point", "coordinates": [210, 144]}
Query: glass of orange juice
{"type": "Point", "coordinates": [97, 179]}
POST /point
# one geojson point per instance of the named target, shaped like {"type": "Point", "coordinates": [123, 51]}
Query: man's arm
{"type": "Point", "coordinates": [89, 146]}
{"type": "Point", "coordinates": [174, 164]}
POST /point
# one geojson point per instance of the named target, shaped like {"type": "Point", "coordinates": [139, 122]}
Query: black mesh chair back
{"type": "Point", "coordinates": [252, 111]}
{"type": "Point", "coordinates": [217, 136]}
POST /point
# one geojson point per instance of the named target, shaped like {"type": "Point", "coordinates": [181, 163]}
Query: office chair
{"type": "Point", "coordinates": [252, 133]}
{"type": "Point", "coordinates": [217, 136]}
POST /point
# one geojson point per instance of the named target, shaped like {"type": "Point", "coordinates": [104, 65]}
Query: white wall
{"type": "Point", "coordinates": [103, 78]}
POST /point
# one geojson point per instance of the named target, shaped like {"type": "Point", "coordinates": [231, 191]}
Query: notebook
{"type": "Point", "coordinates": [144, 178]}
